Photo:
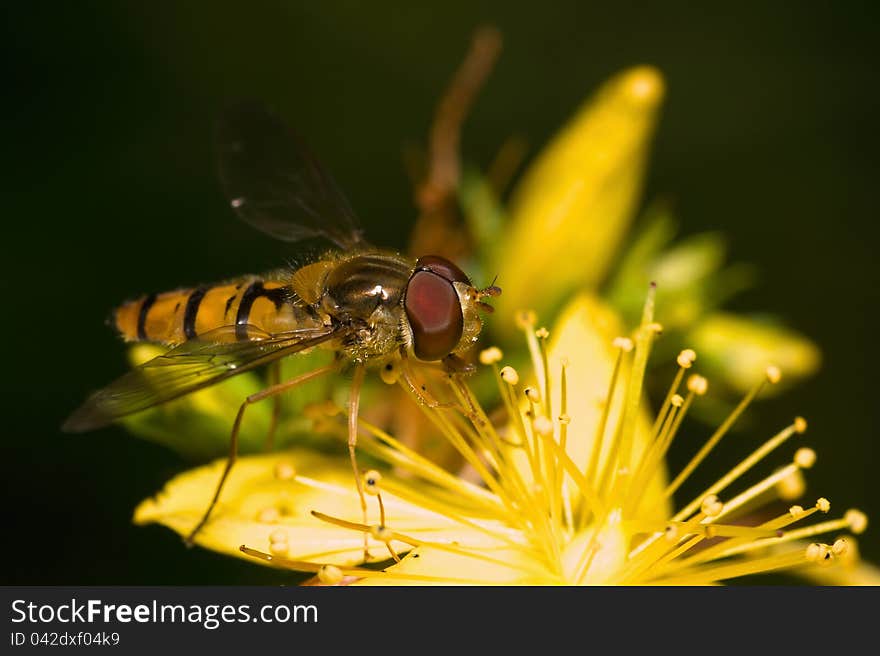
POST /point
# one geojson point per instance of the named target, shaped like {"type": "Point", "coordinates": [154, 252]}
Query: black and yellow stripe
{"type": "Point", "coordinates": [255, 291]}
{"type": "Point", "coordinates": [184, 314]}
{"type": "Point", "coordinates": [192, 311]}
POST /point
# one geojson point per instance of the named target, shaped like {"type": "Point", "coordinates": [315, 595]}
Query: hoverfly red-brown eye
{"type": "Point", "coordinates": [443, 268]}
{"type": "Point", "coordinates": [434, 312]}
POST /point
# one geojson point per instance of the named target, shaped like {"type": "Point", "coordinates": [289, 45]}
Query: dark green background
{"type": "Point", "coordinates": [769, 134]}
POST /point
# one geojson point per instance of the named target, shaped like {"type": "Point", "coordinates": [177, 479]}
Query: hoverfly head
{"type": "Point", "coordinates": [443, 308]}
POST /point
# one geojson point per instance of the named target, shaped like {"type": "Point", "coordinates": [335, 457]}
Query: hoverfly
{"type": "Point", "coordinates": [374, 308]}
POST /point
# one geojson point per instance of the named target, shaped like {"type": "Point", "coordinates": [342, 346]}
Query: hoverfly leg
{"type": "Point", "coordinates": [456, 367]}
{"type": "Point", "coordinates": [454, 364]}
{"type": "Point", "coordinates": [273, 390]}
{"type": "Point", "coordinates": [274, 379]}
{"type": "Point", "coordinates": [354, 400]}
{"type": "Point", "coordinates": [420, 391]}
{"type": "Point", "coordinates": [471, 411]}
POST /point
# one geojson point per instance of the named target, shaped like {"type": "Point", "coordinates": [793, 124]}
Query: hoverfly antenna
{"type": "Point", "coordinates": [492, 290]}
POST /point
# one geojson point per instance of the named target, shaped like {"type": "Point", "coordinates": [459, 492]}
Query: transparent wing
{"type": "Point", "coordinates": [275, 184]}
{"type": "Point", "coordinates": [192, 366]}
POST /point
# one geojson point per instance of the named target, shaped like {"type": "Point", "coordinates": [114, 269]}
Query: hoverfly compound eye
{"type": "Point", "coordinates": [434, 312]}
{"type": "Point", "coordinates": [443, 268]}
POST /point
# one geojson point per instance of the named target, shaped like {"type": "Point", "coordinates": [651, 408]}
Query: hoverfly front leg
{"type": "Point", "coordinates": [354, 400]}
{"type": "Point", "coordinates": [420, 391]}
{"type": "Point", "coordinates": [271, 391]}
{"type": "Point", "coordinates": [457, 367]}
{"type": "Point", "coordinates": [454, 364]}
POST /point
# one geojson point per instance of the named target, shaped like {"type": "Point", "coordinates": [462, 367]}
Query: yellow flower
{"type": "Point", "coordinates": [569, 489]}
{"type": "Point", "coordinates": [563, 233]}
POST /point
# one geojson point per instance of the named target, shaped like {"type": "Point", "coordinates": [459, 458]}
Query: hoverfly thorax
{"type": "Point", "coordinates": [364, 292]}
{"type": "Point", "coordinates": [442, 309]}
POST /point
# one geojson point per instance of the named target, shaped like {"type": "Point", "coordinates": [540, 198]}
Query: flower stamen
{"type": "Point", "coordinates": [536, 515]}
{"type": "Point", "coordinates": [744, 466]}
{"type": "Point", "coordinates": [632, 399]}
{"type": "Point", "coordinates": [715, 438]}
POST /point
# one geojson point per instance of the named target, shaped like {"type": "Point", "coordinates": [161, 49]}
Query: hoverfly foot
{"type": "Point", "coordinates": [456, 365]}
{"type": "Point", "coordinates": [190, 540]}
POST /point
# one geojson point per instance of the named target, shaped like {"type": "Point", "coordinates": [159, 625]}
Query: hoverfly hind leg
{"type": "Point", "coordinates": [271, 391]}
{"type": "Point", "coordinates": [274, 379]}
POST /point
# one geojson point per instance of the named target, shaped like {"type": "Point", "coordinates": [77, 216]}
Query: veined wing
{"type": "Point", "coordinates": [189, 367]}
{"type": "Point", "coordinates": [274, 183]}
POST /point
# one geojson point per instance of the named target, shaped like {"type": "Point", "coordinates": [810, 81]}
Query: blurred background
{"type": "Point", "coordinates": [768, 133]}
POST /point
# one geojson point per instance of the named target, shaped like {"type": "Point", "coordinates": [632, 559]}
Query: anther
{"type": "Point", "coordinates": [279, 548]}
{"type": "Point", "coordinates": [823, 505]}
{"type": "Point", "coordinates": [509, 375]}
{"type": "Point", "coordinates": [656, 328]}
{"type": "Point", "coordinates": [857, 520]}
{"type": "Point", "coordinates": [670, 532]}
{"type": "Point", "coordinates": [532, 394]}
{"type": "Point", "coordinates": [284, 471]}
{"type": "Point", "coordinates": [525, 319]}
{"type": "Point", "coordinates": [774, 375]}
{"type": "Point", "coordinates": [278, 535]}
{"type": "Point", "coordinates": [329, 575]}
{"type": "Point", "coordinates": [686, 358]}
{"type": "Point", "coordinates": [711, 506]}
{"type": "Point", "coordinates": [800, 425]}
{"type": "Point", "coordinates": [796, 511]}
{"type": "Point", "coordinates": [372, 478]}
{"type": "Point", "coordinates": [839, 547]}
{"type": "Point", "coordinates": [564, 419]}
{"type": "Point", "coordinates": [490, 355]}
{"type": "Point", "coordinates": [542, 333]}
{"type": "Point", "coordinates": [381, 533]}
{"type": "Point", "coordinates": [677, 400]}
{"type": "Point", "coordinates": [269, 515]}
{"type": "Point", "coordinates": [816, 552]}
{"type": "Point", "coordinates": [625, 344]}
{"type": "Point", "coordinates": [697, 384]}
{"type": "Point", "coordinates": [792, 486]}
{"type": "Point", "coordinates": [543, 426]}
{"type": "Point", "coordinates": [390, 373]}
{"type": "Point", "coordinates": [805, 458]}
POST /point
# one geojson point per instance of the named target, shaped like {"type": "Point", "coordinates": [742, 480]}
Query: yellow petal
{"type": "Point", "coordinates": [860, 573]}
{"type": "Point", "coordinates": [738, 350]}
{"type": "Point", "coordinates": [612, 546]}
{"type": "Point", "coordinates": [576, 201]}
{"type": "Point", "coordinates": [269, 499]}
{"type": "Point", "coordinates": [432, 566]}
{"type": "Point", "coordinates": [583, 336]}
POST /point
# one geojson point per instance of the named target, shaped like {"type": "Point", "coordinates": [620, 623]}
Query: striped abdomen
{"type": "Point", "coordinates": [184, 314]}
